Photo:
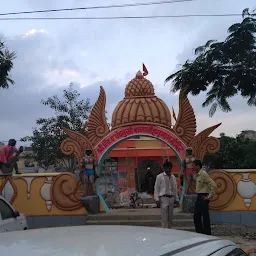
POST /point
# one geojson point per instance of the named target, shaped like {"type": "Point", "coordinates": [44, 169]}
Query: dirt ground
{"type": "Point", "coordinates": [245, 244]}
{"type": "Point", "coordinates": [243, 236]}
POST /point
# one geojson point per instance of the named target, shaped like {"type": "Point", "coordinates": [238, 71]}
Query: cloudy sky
{"type": "Point", "coordinates": [53, 53]}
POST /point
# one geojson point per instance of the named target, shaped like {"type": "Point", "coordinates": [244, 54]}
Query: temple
{"type": "Point", "coordinates": [141, 113]}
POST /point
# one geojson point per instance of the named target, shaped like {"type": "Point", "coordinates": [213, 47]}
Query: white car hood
{"type": "Point", "coordinates": [97, 240]}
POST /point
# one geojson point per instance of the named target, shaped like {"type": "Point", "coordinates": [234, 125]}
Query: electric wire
{"type": "Point", "coordinates": [99, 7]}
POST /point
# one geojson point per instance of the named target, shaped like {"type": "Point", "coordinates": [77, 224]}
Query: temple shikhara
{"type": "Point", "coordinates": [140, 106]}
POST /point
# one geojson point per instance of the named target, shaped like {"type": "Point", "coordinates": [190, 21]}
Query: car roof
{"type": "Point", "coordinates": [4, 199]}
{"type": "Point", "coordinates": [106, 240]}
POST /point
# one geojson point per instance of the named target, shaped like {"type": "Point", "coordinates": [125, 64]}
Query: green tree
{"type": "Point", "coordinates": [234, 153]}
{"type": "Point", "coordinates": [225, 68]}
{"type": "Point", "coordinates": [71, 113]}
{"type": "Point", "coordinates": [6, 64]}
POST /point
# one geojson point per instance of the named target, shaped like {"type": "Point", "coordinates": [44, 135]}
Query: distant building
{"type": "Point", "coordinates": [249, 134]}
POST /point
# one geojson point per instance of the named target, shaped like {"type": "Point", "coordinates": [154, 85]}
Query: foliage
{"type": "Point", "coordinates": [225, 68]}
{"type": "Point", "coordinates": [71, 113]}
{"type": "Point", "coordinates": [6, 64]}
{"type": "Point", "coordinates": [235, 153]}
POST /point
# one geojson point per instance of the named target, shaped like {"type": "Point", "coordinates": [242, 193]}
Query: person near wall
{"type": "Point", "coordinates": [188, 172]}
{"type": "Point", "coordinates": [149, 181]}
{"type": "Point", "coordinates": [7, 153]}
{"type": "Point", "coordinates": [166, 194]}
{"type": "Point", "coordinates": [89, 174]}
{"type": "Point", "coordinates": [205, 189]}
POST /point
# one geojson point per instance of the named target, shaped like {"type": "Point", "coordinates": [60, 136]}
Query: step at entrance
{"type": "Point", "coordinates": [140, 217]}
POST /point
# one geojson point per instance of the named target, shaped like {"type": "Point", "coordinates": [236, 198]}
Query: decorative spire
{"type": "Point", "coordinates": [139, 75]}
{"type": "Point", "coordinates": [139, 86]}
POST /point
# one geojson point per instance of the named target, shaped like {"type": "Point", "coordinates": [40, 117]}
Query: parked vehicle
{"type": "Point", "coordinates": [10, 219]}
{"type": "Point", "coordinates": [114, 241]}
{"type": "Point", "coordinates": [135, 200]}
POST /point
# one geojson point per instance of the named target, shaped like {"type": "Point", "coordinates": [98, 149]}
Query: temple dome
{"type": "Point", "coordinates": [140, 106]}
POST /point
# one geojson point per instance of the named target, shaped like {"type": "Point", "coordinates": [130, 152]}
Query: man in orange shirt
{"type": "Point", "coordinates": [7, 153]}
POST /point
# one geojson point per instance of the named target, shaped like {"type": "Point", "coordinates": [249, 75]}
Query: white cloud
{"type": "Point", "coordinates": [232, 124]}
{"type": "Point", "coordinates": [61, 76]}
{"type": "Point", "coordinates": [33, 32]}
{"type": "Point", "coordinates": [84, 53]}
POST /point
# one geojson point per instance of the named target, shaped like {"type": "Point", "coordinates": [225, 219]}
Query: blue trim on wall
{"type": "Point", "coordinates": [246, 218]}
{"type": "Point", "coordinates": [97, 185]}
{"type": "Point", "coordinates": [113, 146]}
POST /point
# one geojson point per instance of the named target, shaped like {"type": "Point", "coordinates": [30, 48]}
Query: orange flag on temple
{"type": "Point", "coordinates": [145, 71]}
{"type": "Point", "coordinates": [173, 114]}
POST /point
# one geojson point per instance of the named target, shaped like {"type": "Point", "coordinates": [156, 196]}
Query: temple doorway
{"type": "Point", "coordinates": [145, 175]}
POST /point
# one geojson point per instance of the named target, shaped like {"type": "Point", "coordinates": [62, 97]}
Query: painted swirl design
{"type": "Point", "coordinates": [225, 192]}
{"type": "Point", "coordinates": [71, 147]}
{"type": "Point", "coordinates": [66, 192]}
{"type": "Point", "coordinates": [75, 145]}
{"type": "Point", "coordinates": [211, 145]}
{"type": "Point", "coordinates": [179, 131]}
{"type": "Point", "coordinates": [202, 144]}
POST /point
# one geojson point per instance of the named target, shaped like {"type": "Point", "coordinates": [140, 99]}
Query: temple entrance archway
{"type": "Point", "coordinates": [140, 113]}
{"type": "Point", "coordinates": [104, 147]}
{"type": "Point", "coordinates": [117, 136]}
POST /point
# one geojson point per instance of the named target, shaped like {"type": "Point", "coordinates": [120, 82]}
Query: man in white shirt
{"type": "Point", "coordinates": [166, 194]}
